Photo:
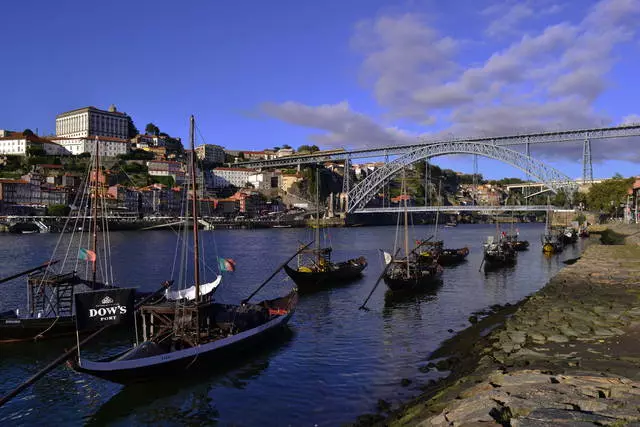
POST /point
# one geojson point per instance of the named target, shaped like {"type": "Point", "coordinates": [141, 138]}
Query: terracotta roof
{"type": "Point", "coordinates": [12, 181]}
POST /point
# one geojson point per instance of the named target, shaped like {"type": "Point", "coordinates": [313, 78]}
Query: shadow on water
{"type": "Point", "coordinates": [200, 408]}
{"type": "Point", "coordinates": [308, 291]}
{"type": "Point", "coordinates": [402, 299]}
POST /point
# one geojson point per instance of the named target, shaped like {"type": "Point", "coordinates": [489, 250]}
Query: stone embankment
{"type": "Point", "coordinates": [568, 355]}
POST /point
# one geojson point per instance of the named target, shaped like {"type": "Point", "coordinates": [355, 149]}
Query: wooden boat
{"type": "Point", "coordinates": [514, 239]}
{"type": "Point", "coordinates": [49, 311]}
{"type": "Point", "coordinates": [569, 235]}
{"type": "Point", "coordinates": [552, 242]}
{"type": "Point", "coordinates": [434, 251]}
{"type": "Point", "coordinates": [230, 330]}
{"type": "Point", "coordinates": [401, 278]}
{"type": "Point", "coordinates": [409, 273]}
{"type": "Point", "coordinates": [498, 254]}
{"type": "Point", "coordinates": [188, 330]}
{"type": "Point", "coordinates": [315, 267]}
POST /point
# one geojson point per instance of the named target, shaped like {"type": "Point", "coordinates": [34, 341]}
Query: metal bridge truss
{"type": "Point", "coordinates": [488, 210]}
{"type": "Point", "coordinates": [361, 194]}
{"type": "Point", "coordinates": [396, 150]}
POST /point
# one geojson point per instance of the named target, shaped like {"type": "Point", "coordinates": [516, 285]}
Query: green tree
{"type": "Point", "coordinates": [304, 149]}
{"type": "Point", "coordinates": [58, 210]}
{"type": "Point", "coordinates": [132, 130]}
{"type": "Point", "coordinates": [28, 132]}
{"type": "Point", "coordinates": [152, 129]}
{"type": "Point", "coordinates": [607, 195]}
{"type": "Point", "coordinates": [314, 148]}
{"type": "Point", "coordinates": [286, 146]}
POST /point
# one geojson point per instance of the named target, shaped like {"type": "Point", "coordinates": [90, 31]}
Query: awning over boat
{"type": "Point", "coordinates": [190, 293]}
{"type": "Point", "coordinates": [387, 257]}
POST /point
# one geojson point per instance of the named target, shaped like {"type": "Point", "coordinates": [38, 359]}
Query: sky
{"type": "Point", "coordinates": [357, 73]}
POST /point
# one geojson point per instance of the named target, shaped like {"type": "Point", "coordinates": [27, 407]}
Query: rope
{"type": "Point", "coordinates": [41, 334]}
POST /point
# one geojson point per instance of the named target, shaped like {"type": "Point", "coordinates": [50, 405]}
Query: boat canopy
{"type": "Point", "coordinates": [190, 293]}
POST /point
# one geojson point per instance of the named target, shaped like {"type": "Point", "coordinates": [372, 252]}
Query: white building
{"type": "Point", "coordinates": [285, 152]}
{"type": "Point", "coordinates": [109, 147]}
{"type": "Point", "coordinates": [263, 181]}
{"type": "Point", "coordinates": [210, 153]}
{"type": "Point", "coordinates": [231, 177]}
{"type": "Point", "coordinates": [17, 144]}
{"type": "Point", "coordinates": [91, 121]}
{"type": "Point", "coordinates": [167, 168]}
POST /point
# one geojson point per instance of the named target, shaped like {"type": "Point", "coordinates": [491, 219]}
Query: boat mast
{"type": "Point", "coordinates": [318, 211]}
{"type": "Point", "coordinates": [194, 208]}
{"type": "Point", "coordinates": [406, 222]}
{"type": "Point", "coordinates": [435, 232]}
{"type": "Point", "coordinates": [94, 215]}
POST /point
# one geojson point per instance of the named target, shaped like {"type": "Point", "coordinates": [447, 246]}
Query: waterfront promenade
{"type": "Point", "coordinates": [567, 355]}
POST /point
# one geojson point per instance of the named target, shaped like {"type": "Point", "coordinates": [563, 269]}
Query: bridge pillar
{"type": "Point", "coordinates": [587, 166]}
{"type": "Point", "coordinates": [346, 183]}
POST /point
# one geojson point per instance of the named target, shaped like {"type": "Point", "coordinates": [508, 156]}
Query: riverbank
{"type": "Point", "coordinates": [568, 354]}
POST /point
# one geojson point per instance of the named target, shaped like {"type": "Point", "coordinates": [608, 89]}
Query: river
{"type": "Point", "coordinates": [333, 364]}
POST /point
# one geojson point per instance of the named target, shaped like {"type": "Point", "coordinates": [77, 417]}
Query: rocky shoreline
{"type": "Point", "coordinates": [567, 355]}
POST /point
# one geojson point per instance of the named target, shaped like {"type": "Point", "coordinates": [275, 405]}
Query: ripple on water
{"type": "Point", "coordinates": [333, 365]}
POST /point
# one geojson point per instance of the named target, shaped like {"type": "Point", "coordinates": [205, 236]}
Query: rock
{"type": "Point", "coordinates": [383, 405]}
{"type": "Point", "coordinates": [469, 410]}
{"type": "Point", "coordinates": [517, 337]}
{"type": "Point", "coordinates": [405, 382]}
{"type": "Point", "coordinates": [473, 319]}
{"type": "Point", "coordinates": [557, 338]}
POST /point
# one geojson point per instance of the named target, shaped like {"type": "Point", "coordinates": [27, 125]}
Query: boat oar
{"type": "Point", "coordinates": [69, 353]}
{"type": "Point", "coordinates": [386, 267]}
{"type": "Point", "coordinates": [244, 301]}
{"type": "Point", "coordinates": [31, 270]}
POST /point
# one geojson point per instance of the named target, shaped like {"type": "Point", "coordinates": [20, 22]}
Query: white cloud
{"type": "Point", "coordinates": [342, 126]}
{"type": "Point", "coordinates": [631, 119]}
{"type": "Point", "coordinates": [549, 79]}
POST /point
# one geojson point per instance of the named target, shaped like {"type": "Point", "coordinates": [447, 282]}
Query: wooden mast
{"type": "Point", "coordinates": [406, 223]}
{"type": "Point", "coordinates": [317, 237]}
{"type": "Point", "coordinates": [194, 208]}
{"type": "Point", "coordinates": [94, 243]}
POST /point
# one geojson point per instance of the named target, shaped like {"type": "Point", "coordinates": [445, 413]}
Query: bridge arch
{"type": "Point", "coordinates": [550, 177]}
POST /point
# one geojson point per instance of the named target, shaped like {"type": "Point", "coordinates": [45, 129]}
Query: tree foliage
{"type": "Point", "coordinates": [607, 195]}
{"type": "Point", "coordinates": [28, 132]}
{"type": "Point", "coordinates": [152, 129]}
{"type": "Point", "coordinates": [132, 130]}
{"type": "Point", "coordinates": [58, 210]}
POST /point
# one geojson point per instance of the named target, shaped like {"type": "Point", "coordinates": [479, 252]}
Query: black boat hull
{"type": "Point", "coordinates": [346, 271]}
{"type": "Point", "coordinates": [189, 361]}
{"type": "Point", "coordinates": [15, 329]}
{"type": "Point", "coordinates": [491, 262]}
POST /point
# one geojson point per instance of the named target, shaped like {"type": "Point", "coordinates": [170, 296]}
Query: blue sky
{"type": "Point", "coordinates": [336, 73]}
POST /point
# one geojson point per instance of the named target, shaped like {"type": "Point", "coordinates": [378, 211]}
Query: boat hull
{"type": "Point", "coordinates": [347, 271]}
{"type": "Point", "coordinates": [187, 361]}
{"type": "Point", "coordinates": [421, 279]}
{"type": "Point", "coordinates": [16, 329]}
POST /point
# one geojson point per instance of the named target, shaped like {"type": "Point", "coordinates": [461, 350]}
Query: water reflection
{"type": "Point", "coordinates": [336, 366]}
{"type": "Point", "coordinates": [187, 400]}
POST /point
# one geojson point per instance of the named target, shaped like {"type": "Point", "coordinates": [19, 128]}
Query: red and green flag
{"type": "Point", "coordinates": [87, 255]}
{"type": "Point", "coordinates": [226, 264]}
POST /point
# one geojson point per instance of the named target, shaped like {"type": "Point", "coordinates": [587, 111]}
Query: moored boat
{"type": "Point", "coordinates": [49, 310]}
{"type": "Point", "coordinates": [188, 330]}
{"type": "Point", "coordinates": [498, 254]}
{"type": "Point", "coordinates": [316, 269]}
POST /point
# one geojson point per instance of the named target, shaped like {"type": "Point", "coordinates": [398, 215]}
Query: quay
{"type": "Point", "coordinates": [567, 355]}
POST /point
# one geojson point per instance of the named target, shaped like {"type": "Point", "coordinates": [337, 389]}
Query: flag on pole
{"type": "Point", "coordinates": [87, 254]}
{"type": "Point", "coordinates": [104, 307]}
{"type": "Point", "coordinates": [226, 264]}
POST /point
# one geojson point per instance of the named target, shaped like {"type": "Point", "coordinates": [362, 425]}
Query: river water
{"type": "Point", "coordinates": [334, 363]}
